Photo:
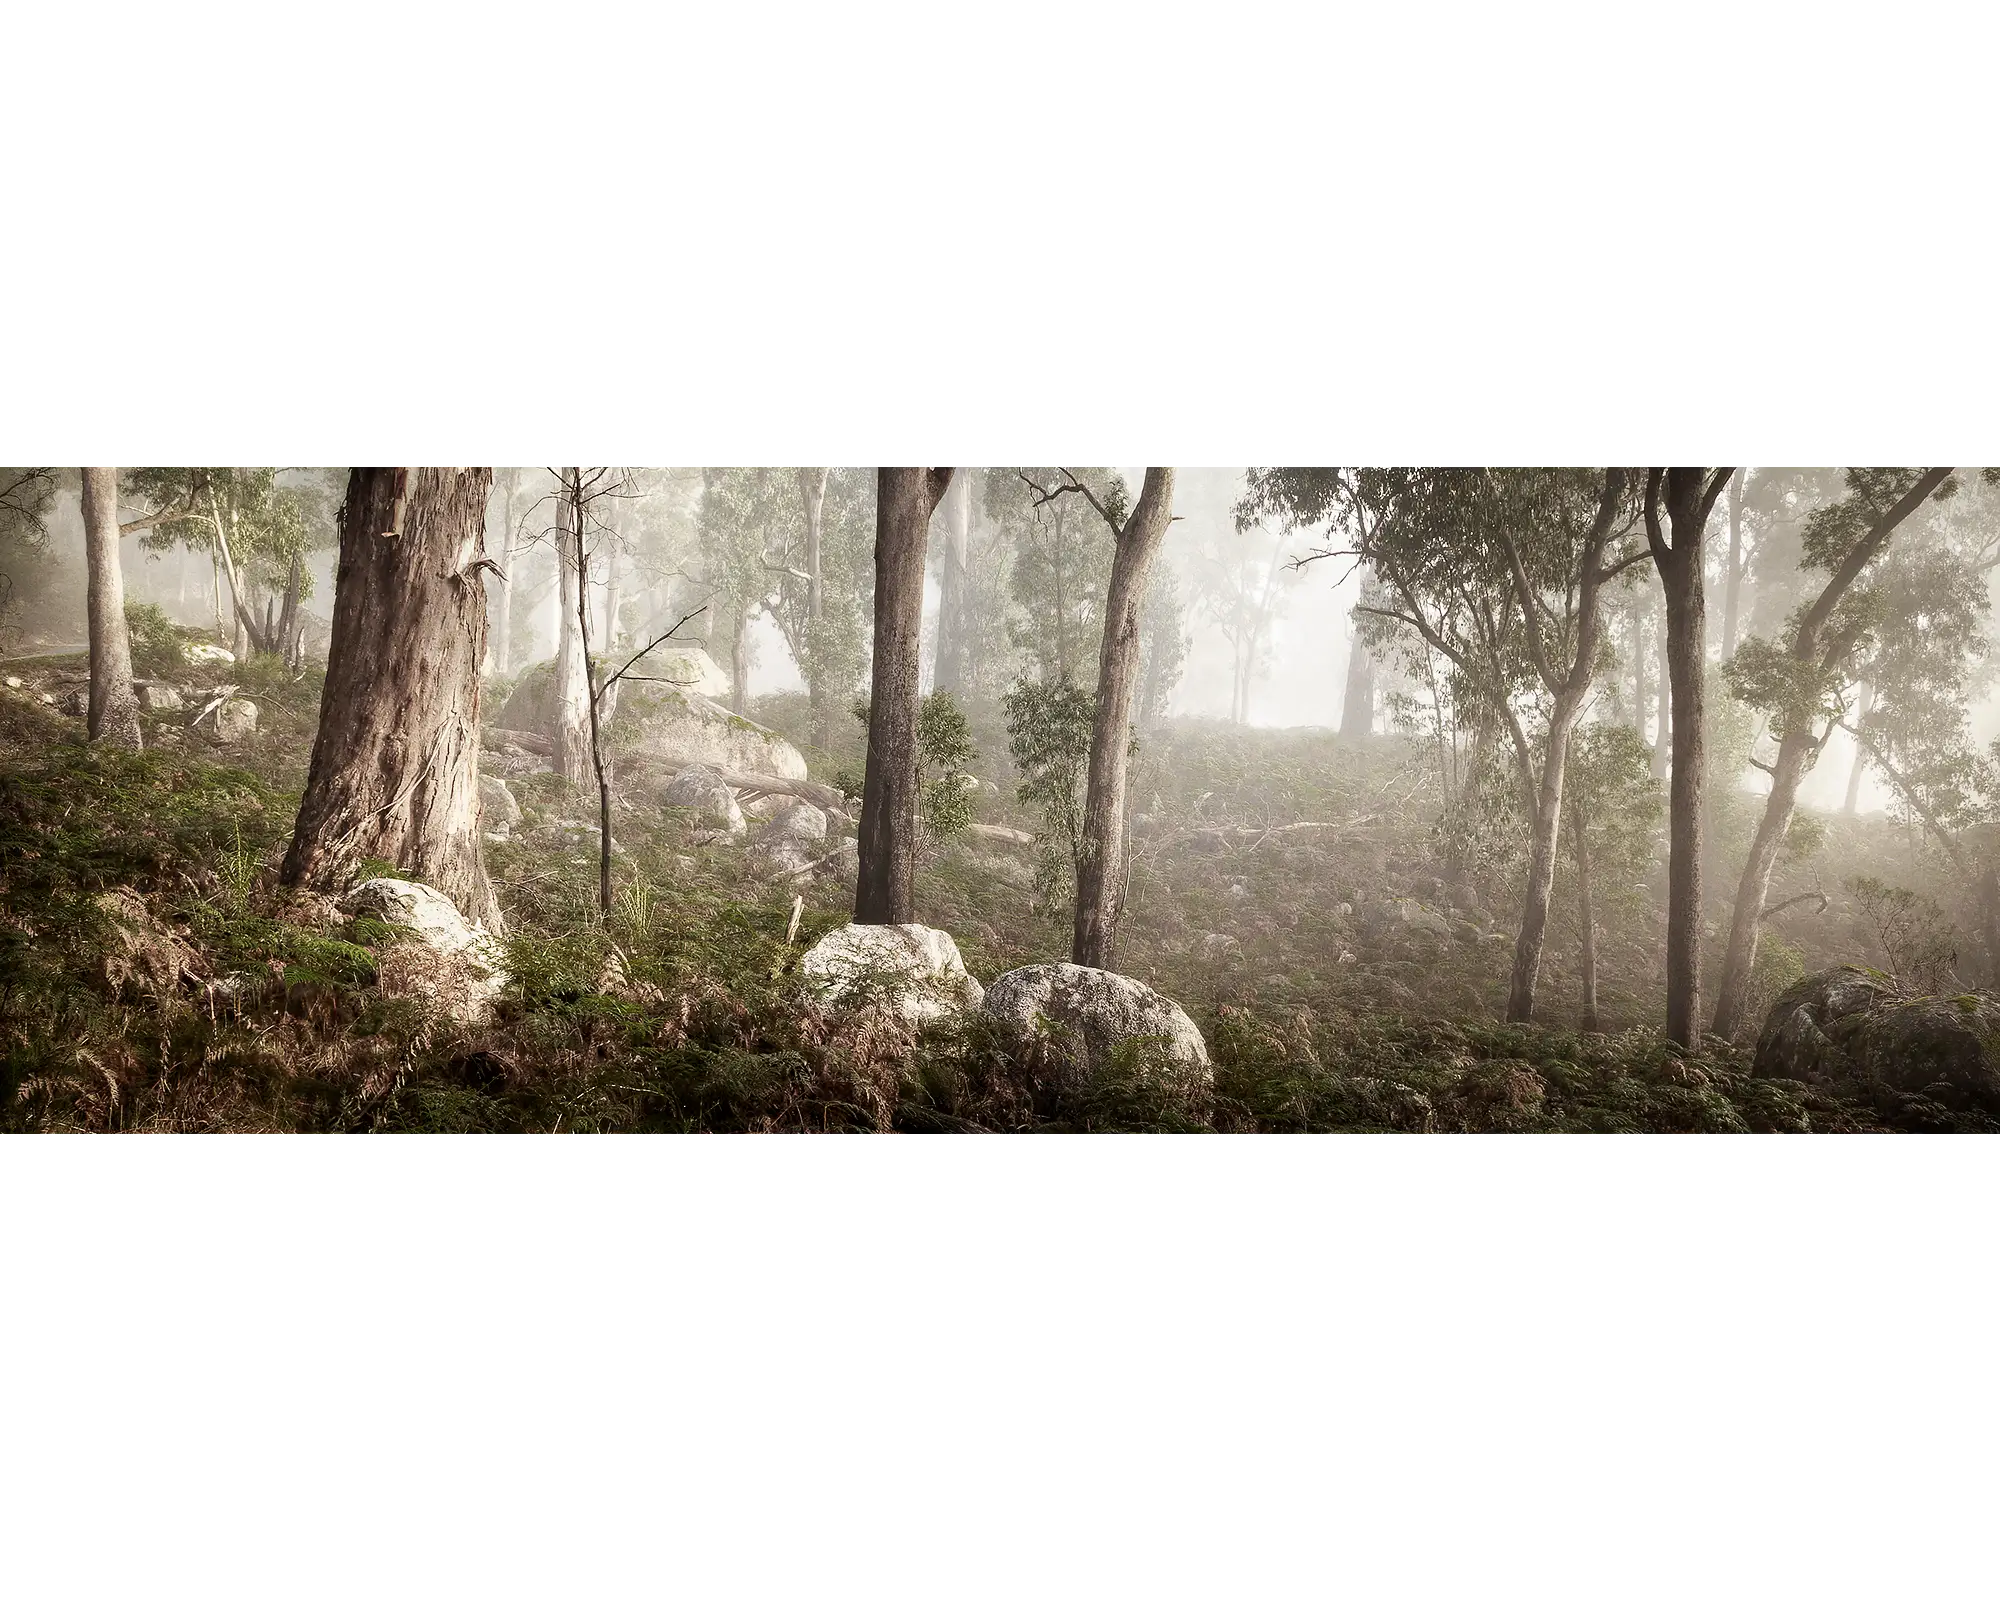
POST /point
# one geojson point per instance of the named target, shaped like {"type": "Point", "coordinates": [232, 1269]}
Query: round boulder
{"type": "Point", "coordinates": [1092, 1013]}
{"type": "Point", "coordinates": [916, 970]}
{"type": "Point", "coordinates": [446, 959]}
{"type": "Point", "coordinates": [702, 791]}
{"type": "Point", "coordinates": [497, 805]}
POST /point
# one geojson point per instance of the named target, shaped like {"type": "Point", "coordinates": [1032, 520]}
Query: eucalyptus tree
{"type": "Point", "coordinates": [1241, 584]}
{"type": "Point", "coordinates": [26, 496]}
{"type": "Point", "coordinates": [256, 528]}
{"type": "Point", "coordinates": [395, 762]}
{"type": "Point", "coordinates": [1561, 551]}
{"type": "Point", "coordinates": [814, 549]}
{"type": "Point", "coordinates": [571, 753]}
{"type": "Point", "coordinates": [905, 497]}
{"type": "Point", "coordinates": [1613, 805]}
{"type": "Point", "coordinates": [1679, 501]}
{"type": "Point", "coordinates": [1504, 575]}
{"type": "Point", "coordinates": [740, 509]}
{"type": "Point", "coordinates": [954, 515]}
{"type": "Point", "coordinates": [1802, 682]}
{"type": "Point", "coordinates": [1136, 535]}
{"type": "Point", "coordinates": [114, 709]}
{"type": "Point", "coordinates": [1061, 566]}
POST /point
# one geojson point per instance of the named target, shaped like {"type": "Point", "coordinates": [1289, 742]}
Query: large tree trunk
{"type": "Point", "coordinates": [905, 497]}
{"type": "Point", "coordinates": [572, 686]}
{"type": "Point", "coordinates": [955, 518]}
{"type": "Point", "coordinates": [1586, 911]}
{"type": "Point", "coordinates": [1688, 495]}
{"type": "Point", "coordinates": [1100, 874]}
{"type": "Point", "coordinates": [395, 765]}
{"type": "Point", "coordinates": [114, 711]}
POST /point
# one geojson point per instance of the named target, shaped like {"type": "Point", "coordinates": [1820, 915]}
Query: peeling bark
{"type": "Point", "coordinates": [395, 765]}
{"type": "Point", "coordinates": [905, 497]}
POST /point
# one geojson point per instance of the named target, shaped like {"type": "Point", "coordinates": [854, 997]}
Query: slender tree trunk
{"type": "Point", "coordinates": [739, 663]}
{"type": "Point", "coordinates": [1663, 711]}
{"type": "Point", "coordinates": [1568, 680]}
{"type": "Point", "coordinates": [905, 497]}
{"type": "Point", "coordinates": [395, 765]}
{"type": "Point", "coordinates": [610, 634]}
{"type": "Point", "coordinates": [1357, 704]}
{"type": "Point", "coordinates": [114, 710]}
{"type": "Point", "coordinates": [572, 686]}
{"type": "Point", "coordinates": [1733, 586]}
{"type": "Point", "coordinates": [812, 491]}
{"type": "Point", "coordinates": [1100, 873]}
{"type": "Point", "coordinates": [1638, 669]}
{"type": "Point", "coordinates": [1732, 995]}
{"type": "Point", "coordinates": [1541, 863]}
{"type": "Point", "coordinates": [955, 516]}
{"type": "Point", "coordinates": [1688, 495]}
{"type": "Point", "coordinates": [1853, 801]}
{"type": "Point", "coordinates": [288, 622]}
{"type": "Point", "coordinates": [590, 680]}
{"type": "Point", "coordinates": [1586, 910]}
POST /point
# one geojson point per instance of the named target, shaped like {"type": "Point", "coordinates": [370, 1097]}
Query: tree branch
{"type": "Point", "coordinates": [663, 638]}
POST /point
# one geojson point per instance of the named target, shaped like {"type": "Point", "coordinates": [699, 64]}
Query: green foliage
{"type": "Point", "coordinates": [944, 754]}
{"type": "Point", "coordinates": [159, 644]}
{"type": "Point", "coordinates": [1048, 735]}
{"type": "Point", "coordinates": [1061, 566]}
{"type": "Point", "coordinates": [26, 496]}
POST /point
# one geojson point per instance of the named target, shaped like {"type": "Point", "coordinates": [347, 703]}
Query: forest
{"type": "Point", "coordinates": [1268, 799]}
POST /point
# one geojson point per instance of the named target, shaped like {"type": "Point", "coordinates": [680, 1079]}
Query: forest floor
{"type": "Point", "coordinates": [1272, 888]}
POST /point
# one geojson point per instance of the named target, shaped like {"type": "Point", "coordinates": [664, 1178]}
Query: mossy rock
{"type": "Point", "coordinates": [1855, 1028]}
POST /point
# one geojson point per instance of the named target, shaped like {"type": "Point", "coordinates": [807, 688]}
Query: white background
{"type": "Point", "coordinates": [1437, 233]}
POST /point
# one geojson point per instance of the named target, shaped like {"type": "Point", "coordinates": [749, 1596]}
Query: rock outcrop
{"type": "Point", "coordinates": [445, 959]}
{"type": "Point", "coordinates": [792, 840]}
{"type": "Point", "coordinates": [1087, 1014]}
{"type": "Point", "coordinates": [702, 791]}
{"type": "Point", "coordinates": [662, 724]}
{"type": "Point", "coordinates": [498, 808]}
{"type": "Point", "coordinates": [915, 970]}
{"type": "Point", "coordinates": [1858, 1030]}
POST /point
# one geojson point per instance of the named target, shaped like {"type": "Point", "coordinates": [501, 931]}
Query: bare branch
{"type": "Point", "coordinates": [663, 638]}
